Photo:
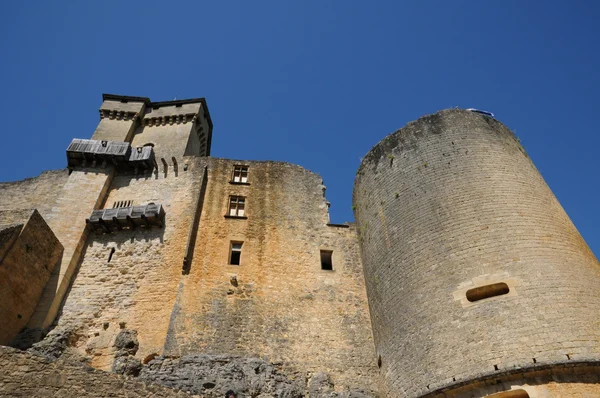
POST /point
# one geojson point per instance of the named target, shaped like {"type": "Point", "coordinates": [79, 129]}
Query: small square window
{"type": "Point", "coordinates": [326, 263]}
{"type": "Point", "coordinates": [235, 253]}
{"type": "Point", "coordinates": [240, 174]}
{"type": "Point", "coordinates": [237, 205]}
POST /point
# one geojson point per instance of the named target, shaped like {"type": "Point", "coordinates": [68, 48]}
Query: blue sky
{"type": "Point", "coordinates": [316, 83]}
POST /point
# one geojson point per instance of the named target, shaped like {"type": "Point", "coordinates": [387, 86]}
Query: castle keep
{"type": "Point", "coordinates": [188, 274]}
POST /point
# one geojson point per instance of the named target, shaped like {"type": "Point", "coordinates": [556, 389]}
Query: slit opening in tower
{"type": "Point", "coordinates": [326, 261]}
{"type": "Point", "coordinates": [520, 393]}
{"type": "Point", "coordinates": [487, 291]}
{"type": "Point", "coordinates": [110, 254]}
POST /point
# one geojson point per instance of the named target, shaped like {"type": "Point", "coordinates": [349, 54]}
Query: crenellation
{"type": "Point", "coordinates": [118, 115]}
{"type": "Point", "coordinates": [462, 276]}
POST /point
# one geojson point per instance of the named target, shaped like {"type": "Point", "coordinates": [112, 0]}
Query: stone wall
{"type": "Point", "coordinates": [175, 130]}
{"type": "Point", "coordinates": [28, 253]}
{"type": "Point", "coordinates": [27, 375]}
{"type": "Point", "coordinates": [277, 304]}
{"type": "Point", "coordinates": [137, 287]}
{"type": "Point", "coordinates": [449, 203]}
{"type": "Point", "coordinates": [118, 120]}
{"type": "Point", "coordinates": [84, 191]}
{"type": "Point", "coordinates": [39, 192]}
{"type": "Point", "coordinates": [568, 380]}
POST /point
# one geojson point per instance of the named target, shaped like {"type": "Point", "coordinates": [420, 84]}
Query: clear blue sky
{"type": "Point", "coordinates": [316, 83]}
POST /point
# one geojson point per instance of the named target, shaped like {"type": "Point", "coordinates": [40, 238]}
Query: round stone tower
{"type": "Point", "coordinates": [478, 282]}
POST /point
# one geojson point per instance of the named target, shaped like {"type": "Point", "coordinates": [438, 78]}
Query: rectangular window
{"type": "Point", "coordinates": [235, 253]}
{"type": "Point", "coordinates": [326, 263]}
{"type": "Point", "coordinates": [237, 206]}
{"type": "Point", "coordinates": [240, 174]}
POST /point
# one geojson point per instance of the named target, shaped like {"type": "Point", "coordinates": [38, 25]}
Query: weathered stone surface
{"type": "Point", "coordinates": [213, 375]}
{"type": "Point", "coordinates": [448, 203]}
{"type": "Point", "coordinates": [29, 251]}
{"type": "Point", "coordinates": [54, 344]}
{"type": "Point", "coordinates": [452, 202]}
{"type": "Point", "coordinates": [284, 307]}
{"type": "Point", "coordinates": [126, 342]}
{"type": "Point", "coordinates": [320, 386]}
{"type": "Point", "coordinates": [24, 374]}
{"type": "Point", "coordinates": [127, 365]}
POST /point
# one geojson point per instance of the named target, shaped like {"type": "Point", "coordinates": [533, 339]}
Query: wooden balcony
{"type": "Point", "coordinates": [95, 153]}
{"type": "Point", "coordinates": [132, 217]}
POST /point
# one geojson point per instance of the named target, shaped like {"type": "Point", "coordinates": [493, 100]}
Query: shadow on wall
{"type": "Point", "coordinates": [111, 246]}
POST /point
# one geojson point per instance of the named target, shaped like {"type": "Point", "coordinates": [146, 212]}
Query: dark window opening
{"type": "Point", "coordinates": [235, 253]}
{"type": "Point", "coordinates": [110, 254]}
{"type": "Point", "coordinates": [487, 291]}
{"type": "Point", "coordinates": [326, 263]}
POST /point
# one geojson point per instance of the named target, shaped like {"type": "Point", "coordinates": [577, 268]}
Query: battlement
{"type": "Point", "coordinates": [175, 128]}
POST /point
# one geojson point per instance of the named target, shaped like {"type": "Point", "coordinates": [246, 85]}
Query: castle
{"type": "Point", "coordinates": [149, 268]}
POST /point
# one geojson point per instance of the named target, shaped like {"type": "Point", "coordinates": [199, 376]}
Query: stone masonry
{"type": "Point", "coordinates": [463, 276]}
{"type": "Point", "coordinates": [29, 251]}
{"type": "Point", "coordinates": [450, 203]}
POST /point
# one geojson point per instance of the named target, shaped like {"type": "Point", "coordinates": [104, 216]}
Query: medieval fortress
{"type": "Point", "coordinates": [149, 268]}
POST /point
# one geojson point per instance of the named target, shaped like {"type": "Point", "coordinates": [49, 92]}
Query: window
{"type": "Point", "coordinates": [236, 206]}
{"type": "Point", "coordinates": [240, 174]}
{"type": "Point", "coordinates": [487, 291]}
{"type": "Point", "coordinates": [326, 263]}
{"type": "Point", "coordinates": [520, 393]}
{"type": "Point", "coordinates": [235, 253]}
{"type": "Point", "coordinates": [122, 203]}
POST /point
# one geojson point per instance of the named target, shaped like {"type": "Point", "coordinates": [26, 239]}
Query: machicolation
{"type": "Point", "coordinates": [149, 268]}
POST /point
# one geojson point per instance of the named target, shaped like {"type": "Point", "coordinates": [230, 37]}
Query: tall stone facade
{"type": "Point", "coordinates": [202, 274]}
{"type": "Point", "coordinates": [233, 270]}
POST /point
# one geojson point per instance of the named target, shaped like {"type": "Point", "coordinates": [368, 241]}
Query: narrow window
{"type": "Point", "coordinates": [237, 206]}
{"type": "Point", "coordinates": [326, 263]}
{"type": "Point", "coordinates": [240, 174]}
{"type": "Point", "coordinates": [235, 253]}
{"type": "Point", "coordinates": [110, 254]}
{"type": "Point", "coordinates": [487, 291]}
{"type": "Point", "coordinates": [520, 393]}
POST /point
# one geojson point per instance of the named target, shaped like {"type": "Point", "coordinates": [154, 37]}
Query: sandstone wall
{"type": "Point", "coordinates": [175, 130]}
{"type": "Point", "coordinates": [27, 375]}
{"type": "Point", "coordinates": [284, 306]}
{"type": "Point", "coordinates": [118, 120]}
{"type": "Point", "coordinates": [452, 202]}
{"type": "Point", "coordinates": [28, 253]}
{"type": "Point", "coordinates": [39, 192]}
{"type": "Point", "coordinates": [568, 380]}
{"type": "Point", "coordinates": [281, 304]}
{"type": "Point", "coordinates": [137, 287]}
{"type": "Point", "coordinates": [84, 191]}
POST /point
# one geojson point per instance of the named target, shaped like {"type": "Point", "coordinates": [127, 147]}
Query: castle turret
{"type": "Point", "coordinates": [476, 277]}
